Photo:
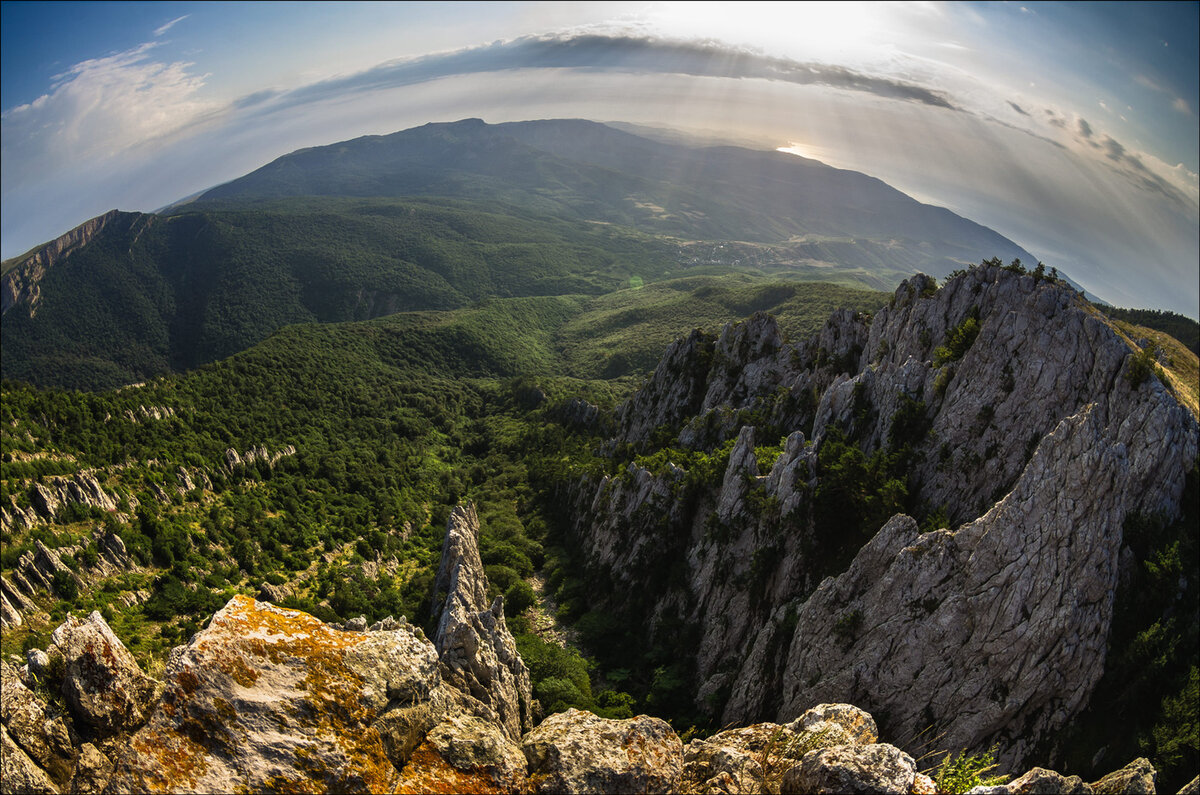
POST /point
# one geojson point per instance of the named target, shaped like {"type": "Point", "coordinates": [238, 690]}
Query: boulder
{"type": "Point", "coordinates": [753, 759]}
{"type": "Point", "coordinates": [103, 684]}
{"type": "Point", "coordinates": [46, 739]}
{"type": "Point", "coordinates": [1136, 778]}
{"type": "Point", "coordinates": [1037, 781]}
{"type": "Point", "coordinates": [92, 771]}
{"type": "Point", "coordinates": [1191, 788]}
{"type": "Point", "coordinates": [266, 698]}
{"type": "Point", "coordinates": [858, 724]}
{"type": "Point", "coordinates": [578, 752]}
{"type": "Point", "coordinates": [464, 754]}
{"type": "Point", "coordinates": [849, 769]}
{"type": "Point", "coordinates": [19, 773]}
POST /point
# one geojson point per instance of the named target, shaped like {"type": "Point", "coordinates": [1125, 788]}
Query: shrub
{"type": "Point", "coordinates": [518, 597]}
{"type": "Point", "coordinates": [961, 772]}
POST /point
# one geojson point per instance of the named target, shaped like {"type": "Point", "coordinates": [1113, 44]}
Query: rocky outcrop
{"type": "Point", "coordinates": [1136, 778]}
{"type": "Point", "coordinates": [103, 684]}
{"type": "Point", "coordinates": [21, 284]}
{"type": "Point", "coordinates": [853, 770]}
{"type": "Point", "coordinates": [1009, 399]}
{"type": "Point", "coordinates": [101, 555]}
{"type": "Point", "coordinates": [266, 698]}
{"type": "Point", "coordinates": [478, 653]}
{"type": "Point", "coordinates": [255, 455]}
{"type": "Point", "coordinates": [578, 752]}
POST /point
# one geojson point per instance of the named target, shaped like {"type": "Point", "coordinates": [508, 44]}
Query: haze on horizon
{"type": "Point", "coordinates": [1071, 128]}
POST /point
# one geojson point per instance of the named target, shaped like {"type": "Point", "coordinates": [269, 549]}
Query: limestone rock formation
{"type": "Point", "coordinates": [853, 769]}
{"type": "Point", "coordinates": [265, 698]}
{"type": "Point", "coordinates": [22, 284]}
{"type": "Point", "coordinates": [578, 752]}
{"type": "Point", "coordinates": [1037, 781]}
{"type": "Point", "coordinates": [478, 653]}
{"type": "Point", "coordinates": [1136, 778]}
{"type": "Point", "coordinates": [46, 739]}
{"type": "Point", "coordinates": [1011, 401]}
{"type": "Point", "coordinates": [102, 682]}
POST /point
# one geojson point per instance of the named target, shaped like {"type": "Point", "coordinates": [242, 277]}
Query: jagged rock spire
{"type": "Point", "coordinates": [478, 653]}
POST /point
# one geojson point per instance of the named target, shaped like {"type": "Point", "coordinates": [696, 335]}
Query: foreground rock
{"type": "Point", "coordinates": [578, 752]}
{"type": "Point", "coordinates": [103, 683]}
{"type": "Point", "coordinates": [853, 769]}
{"type": "Point", "coordinates": [267, 698]}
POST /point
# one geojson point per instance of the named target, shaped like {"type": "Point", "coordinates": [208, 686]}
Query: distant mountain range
{"type": "Point", "coordinates": [441, 216]}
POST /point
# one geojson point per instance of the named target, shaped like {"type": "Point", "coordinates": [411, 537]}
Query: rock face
{"type": "Point", "coordinates": [478, 652]}
{"type": "Point", "coordinates": [578, 752]}
{"type": "Point", "coordinates": [1008, 397]}
{"type": "Point", "coordinates": [21, 285]}
{"type": "Point", "coordinates": [103, 684]}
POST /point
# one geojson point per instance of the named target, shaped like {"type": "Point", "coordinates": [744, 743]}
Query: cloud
{"type": "Point", "coordinates": [97, 109]}
{"type": "Point", "coordinates": [1085, 129]}
{"type": "Point", "coordinates": [164, 28]}
{"type": "Point", "coordinates": [1017, 108]}
{"type": "Point", "coordinates": [1180, 104]}
{"type": "Point", "coordinates": [609, 53]}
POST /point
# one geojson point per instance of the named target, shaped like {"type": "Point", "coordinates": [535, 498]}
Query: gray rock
{"type": "Point", "coordinates": [19, 773]}
{"type": "Point", "coordinates": [578, 752]}
{"type": "Point", "coordinates": [477, 652]}
{"type": "Point", "coordinates": [103, 684]}
{"type": "Point", "coordinates": [92, 771]}
{"type": "Point", "coordinates": [858, 725]}
{"type": "Point", "coordinates": [1136, 778]}
{"type": "Point", "coordinates": [270, 698]}
{"type": "Point", "coordinates": [753, 758]}
{"type": "Point", "coordinates": [1037, 781]}
{"type": "Point", "coordinates": [464, 754]}
{"type": "Point", "coordinates": [849, 769]}
{"type": "Point", "coordinates": [1191, 788]}
{"type": "Point", "coordinates": [47, 739]}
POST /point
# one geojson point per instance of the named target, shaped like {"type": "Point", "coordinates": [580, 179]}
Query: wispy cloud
{"type": "Point", "coordinates": [164, 28]}
{"type": "Point", "coordinates": [98, 108]}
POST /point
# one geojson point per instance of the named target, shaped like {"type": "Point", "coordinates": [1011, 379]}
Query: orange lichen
{"type": "Point", "coordinates": [427, 771]}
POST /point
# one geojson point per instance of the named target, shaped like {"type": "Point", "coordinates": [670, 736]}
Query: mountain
{"type": "Point", "coordinates": [438, 217]}
{"type": "Point", "coordinates": [586, 170]}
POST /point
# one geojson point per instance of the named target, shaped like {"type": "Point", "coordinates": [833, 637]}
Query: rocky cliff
{"type": "Point", "coordinates": [1001, 410]}
{"type": "Point", "coordinates": [20, 284]}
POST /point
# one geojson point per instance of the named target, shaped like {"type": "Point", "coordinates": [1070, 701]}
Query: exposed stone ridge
{"type": "Point", "coordinates": [34, 572]}
{"type": "Point", "coordinates": [20, 284]}
{"type": "Point", "coordinates": [477, 651]}
{"type": "Point", "coordinates": [52, 494]}
{"type": "Point", "coordinates": [258, 454]}
{"type": "Point", "coordinates": [268, 699]}
{"type": "Point", "coordinates": [1032, 439]}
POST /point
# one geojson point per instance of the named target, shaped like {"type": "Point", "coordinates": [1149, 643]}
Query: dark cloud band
{"type": "Point", "coordinates": [621, 54]}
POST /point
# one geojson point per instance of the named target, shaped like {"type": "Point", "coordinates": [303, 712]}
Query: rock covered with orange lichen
{"type": "Point", "coordinates": [267, 698]}
{"type": "Point", "coordinates": [478, 652]}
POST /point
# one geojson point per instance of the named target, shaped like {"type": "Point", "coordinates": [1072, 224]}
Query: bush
{"type": "Point", "coordinates": [66, 586]}
{"type": "Point", "coordinates": [960, 772]}
{"type": "Point", "coordinates": [518, 597]}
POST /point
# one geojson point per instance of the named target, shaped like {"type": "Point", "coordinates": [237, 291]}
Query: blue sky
{"type": "Point", "coordinates": [1069, 127]}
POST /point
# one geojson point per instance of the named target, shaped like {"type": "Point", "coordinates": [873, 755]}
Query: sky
{"type": "Point", "coordinates": [1071, 128]}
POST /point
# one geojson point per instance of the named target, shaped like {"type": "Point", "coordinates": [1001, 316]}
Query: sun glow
{"type": "Point", "coordinates": [806, 31]}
